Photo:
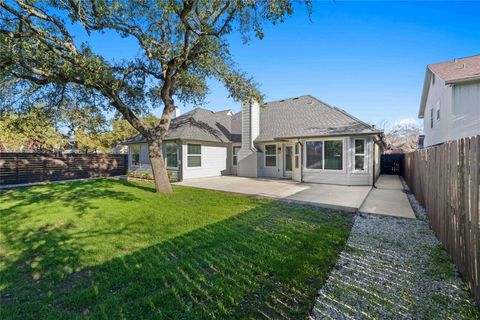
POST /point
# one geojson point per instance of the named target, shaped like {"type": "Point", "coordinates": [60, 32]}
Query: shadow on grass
{"type": "Point", "coordinates": [77, 195]}
{"type": "Point", "coordinates": [267, 262]}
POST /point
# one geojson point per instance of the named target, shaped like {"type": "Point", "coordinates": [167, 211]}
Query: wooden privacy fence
{"type": "Point", "coordinates": [445, 180]}
{"type": "Point", "coordinates": [16, 168]}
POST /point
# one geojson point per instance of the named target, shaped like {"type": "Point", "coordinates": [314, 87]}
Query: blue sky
{"type": "Point", "coordinates": [368, 58]}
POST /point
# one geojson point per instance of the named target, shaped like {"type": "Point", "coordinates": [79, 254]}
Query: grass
{"type": "Point", "coordinates": [111, 249]}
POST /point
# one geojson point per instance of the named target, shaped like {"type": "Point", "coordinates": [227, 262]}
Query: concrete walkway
{"type": "Point", "coordinates": [388, 199]}
{"type": "Point", "coordinates": [347, 198]}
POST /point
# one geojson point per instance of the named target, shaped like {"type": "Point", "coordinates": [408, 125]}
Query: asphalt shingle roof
{"type": "Point", "coordinates": [462, 69]}
{"type": "Point", "coordinates": [306, 116]}
{"type": "Point", "coordinates": [298, 117]}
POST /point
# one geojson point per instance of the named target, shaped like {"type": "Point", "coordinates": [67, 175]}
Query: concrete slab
{"type": "Point", "coordinates": [347, 198]}
{"type": "Point", "coordinates": [388, 199]}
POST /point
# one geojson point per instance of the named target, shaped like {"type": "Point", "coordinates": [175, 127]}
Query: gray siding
{"type": "Point", "coordinates": [465, 118]}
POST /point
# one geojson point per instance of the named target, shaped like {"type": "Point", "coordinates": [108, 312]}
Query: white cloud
{"type": "Point", "coordinates": [407, 122]}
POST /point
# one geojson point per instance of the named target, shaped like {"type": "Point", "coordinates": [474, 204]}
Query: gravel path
{"type": "Point", "coordinates": [394, 268]}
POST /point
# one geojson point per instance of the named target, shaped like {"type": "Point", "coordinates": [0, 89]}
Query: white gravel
{"type": "Point", "coordinates": [394, 268]}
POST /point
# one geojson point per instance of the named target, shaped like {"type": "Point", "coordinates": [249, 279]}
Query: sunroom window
{"type": "Point", "coordinates": [326, 155]}
{"type": "Point", "coordinates": [314, 154]}
{"type": "Point", "coordinates": [135, 152]}
{"type": "Point", "coordinates": [235, 155]}
{"type": "Point", "coordinates": [194, 155]}
{"type": "Point", "coordinates": [334, 155]}
{"type": "Point", "coordinates": [171, 155]}
{"type": "Point", "coordinates": [270, 155]}
{"type": "Point", "coordinates": [359, 154]}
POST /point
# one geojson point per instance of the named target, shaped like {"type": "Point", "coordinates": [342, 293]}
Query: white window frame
{"type": "Point", "coordinates": [296, 152]}
{"type": "Point", "coordinates": [131, 154]}
{"type": "Point", "coordinates": [323, 140]}
{"type": "Point", "coordinates": [235, 155]}
{"type": "Point", "coordinates": [195, 155]}
{"type": "Point", "coordinates": [355, 154]}
{"type": "Point", "coordinates": [166, 158]}
{"type": "Point", "coordinates": [270, 155]}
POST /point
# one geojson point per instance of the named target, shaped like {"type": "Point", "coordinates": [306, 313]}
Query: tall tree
{"type": "Point", "coordinates": [34, 130]}
{"type": "Point", "coordinates": [181, 44]}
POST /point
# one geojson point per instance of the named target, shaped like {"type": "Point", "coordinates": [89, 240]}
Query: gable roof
{"type": "Point", "coordinates": [458, 70]}
{"type": "Point", "coordinates": [451, 72]}
{"type": "Point", "coordinates": [307, 116]}
{"type": "Point", "coordinates": [299, 117]}
{"type": "Point", "coordinates": [199, 124]}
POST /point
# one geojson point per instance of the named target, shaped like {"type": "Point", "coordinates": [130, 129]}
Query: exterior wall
{"type": "Point", "coordinates": [269, 172]}
{"type": "Point", "coordinates": [347, 176]}
{"type": "Point", "coordinates": [144, 166]}
{"type": "Point", "coordinates": [214, 161]}
{"type": "Point", "coordinates": [465, 117]}
{"type": "Point", "coordinates": [232, 169]}
{"type": "Point", "coordinates": [439, 95]}
{"type": "Point", "coordinates": [459, 112]}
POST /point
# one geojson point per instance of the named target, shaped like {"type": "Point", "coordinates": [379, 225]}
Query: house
{"type": "Point", "coordinates": [301, 138]}
{"type": "Point", "coordinates": [450, 104]}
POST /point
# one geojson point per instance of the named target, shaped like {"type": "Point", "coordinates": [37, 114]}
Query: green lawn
{"type": "Point", "coordinates": [111, 249]}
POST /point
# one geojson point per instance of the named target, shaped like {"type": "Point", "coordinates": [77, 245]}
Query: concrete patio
{"type": "Point", "coordinates": [347, 198]}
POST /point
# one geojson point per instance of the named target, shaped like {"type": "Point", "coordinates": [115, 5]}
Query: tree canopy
{"type": "Point", "coordinates": [181, 44]}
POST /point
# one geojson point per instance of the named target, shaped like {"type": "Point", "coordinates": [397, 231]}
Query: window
{"type": "Point", "coordinates": [438, 110]}
{"type": "Point", "coordinates": [235, 155]}
{"type": "Point", "coordinates": [359, 154]}
{"type": "Point", "coordinates": [431, 118]}
{"type": "Point", "coordinates": [333, 155]}
{"type": "Point", "coordinates": [326, 155]}
{"type": "Point", "coordinates": [270, 155]}
{"type": "Point", "coordinates": [171, 157]}
{"type": "Point", "coordinates": [314, 154]}
{"type": "Point", "coordinates": [297, 155]}
{"type": "Point", "coordinates": [135, 152]}
{"type": "Point", "coordinates": [194, 155]}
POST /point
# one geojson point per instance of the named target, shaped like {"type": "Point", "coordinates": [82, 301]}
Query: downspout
{"type": "Point", "coordinates": [374, 162]}
{"type": "Point", "coordinates": [301, 160]}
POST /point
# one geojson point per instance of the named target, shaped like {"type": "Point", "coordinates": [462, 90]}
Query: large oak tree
{"type": "Point", "coordinates": [181, 44]}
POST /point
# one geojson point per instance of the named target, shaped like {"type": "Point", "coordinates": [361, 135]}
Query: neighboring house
{"type": "Point", "coordinates": [450, 104]}
{"type": "Point", "coordinates": [301, 138]}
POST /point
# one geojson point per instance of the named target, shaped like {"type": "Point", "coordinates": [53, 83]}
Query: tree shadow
{"type": "Point", "coordinates": [78, 195]}
{"type": "Point", "coordinates": [267, 262]}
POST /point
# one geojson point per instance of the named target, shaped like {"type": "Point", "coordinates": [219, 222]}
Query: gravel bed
{"type": "Point", "coordinates": [394, 268]}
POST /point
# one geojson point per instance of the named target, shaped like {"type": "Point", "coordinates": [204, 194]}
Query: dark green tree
{"type": "Point", "coordinates": [181, 44]}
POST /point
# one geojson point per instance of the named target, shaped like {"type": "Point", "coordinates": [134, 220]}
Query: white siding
{"type": "Point", "coordinates": [214, 161]}
{"type": "Point", "coordinates": [269, 172]}
{"type": "Point", "coordinates": [465, 118]}
{"type": "Point", "coordinates": [347, 176]}
{"type": "Point", "coordinates": [440, 95]}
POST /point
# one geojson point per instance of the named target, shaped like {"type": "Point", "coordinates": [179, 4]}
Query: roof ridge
{"type": "Point", "coordinates": [453, 60]}
{"type": "Point", "coordinates": [291, 98]}
{"type": "Point", "coordinates": [343, 112]}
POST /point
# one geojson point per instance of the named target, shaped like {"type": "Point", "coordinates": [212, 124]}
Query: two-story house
{"type": "Point", "coordinates": [450, 104]}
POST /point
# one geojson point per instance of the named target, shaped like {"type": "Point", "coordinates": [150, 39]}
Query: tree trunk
{"type": "Point", "coordinates": [160, 176]}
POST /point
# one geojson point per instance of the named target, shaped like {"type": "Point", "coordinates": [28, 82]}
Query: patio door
{"type": "Point", "coordinates": [287, 161]}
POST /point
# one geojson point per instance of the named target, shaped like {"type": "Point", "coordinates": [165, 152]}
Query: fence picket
{"type": "Point", "coordinates": [445, 180]}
